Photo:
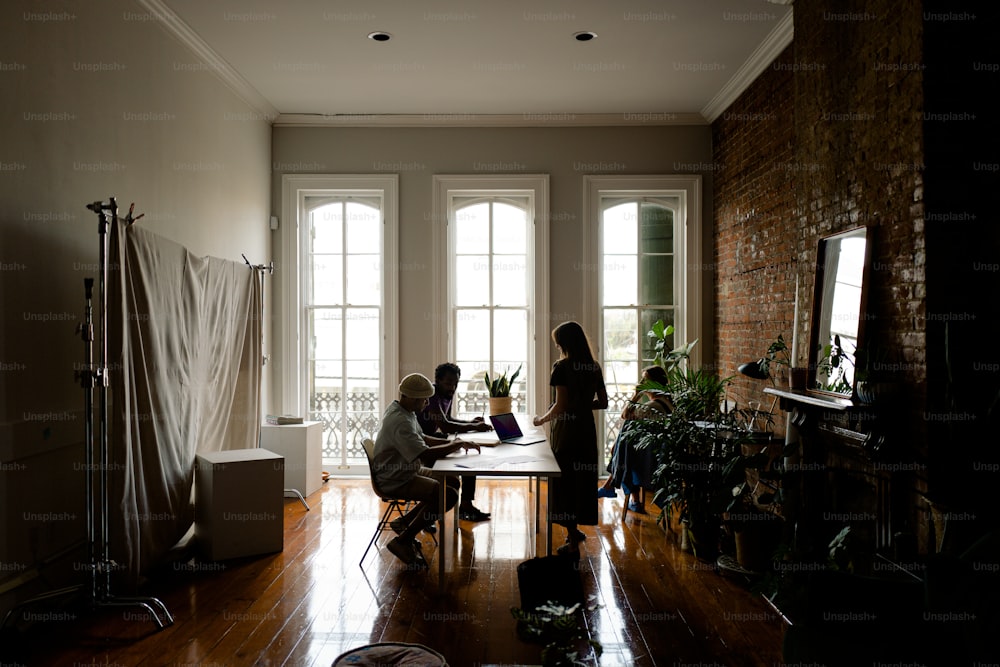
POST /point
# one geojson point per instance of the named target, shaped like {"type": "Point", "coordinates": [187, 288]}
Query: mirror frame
{"type": "Point", "coordinates": [817, 305]}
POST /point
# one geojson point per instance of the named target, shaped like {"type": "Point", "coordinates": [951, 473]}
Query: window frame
{"type": "Point", "coordinates": [295, 189]}
{"type": "Point", "coordinates": [688, 239]}
{"type": "Point", "coordinates": [536, 188]}
{"type": "Point", "coordinates": [688, 268]}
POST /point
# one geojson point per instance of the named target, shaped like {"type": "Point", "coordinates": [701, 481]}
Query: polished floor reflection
{"type": "Point", "coordinates": [654, 605]}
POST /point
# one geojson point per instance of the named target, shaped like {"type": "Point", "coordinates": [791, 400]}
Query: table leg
{"type": "Point", "coordinates": [443, 537]}
{"type": "Point", "coordinates": [548, 517]}
{"type": "Point", "coordinates": [538, 502]}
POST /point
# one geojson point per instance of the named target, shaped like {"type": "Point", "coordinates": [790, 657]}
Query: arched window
{"type": "Point", "coordinates": [339, 340]}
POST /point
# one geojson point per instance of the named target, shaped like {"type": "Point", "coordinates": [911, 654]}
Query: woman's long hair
{"type": "Point", "coordinates": [570, 337]}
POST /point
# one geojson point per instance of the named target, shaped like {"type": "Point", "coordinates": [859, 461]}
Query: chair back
{"type": "Point", "coordinates": [369, 447]}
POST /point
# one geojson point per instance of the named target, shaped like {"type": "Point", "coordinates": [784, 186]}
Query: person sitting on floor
{"type": "Point", "coordinates": [401, 461]}
{"type": "Point", "coordinates": [436, 420]}
{"type": "Point", "coordinates": [631, 469]}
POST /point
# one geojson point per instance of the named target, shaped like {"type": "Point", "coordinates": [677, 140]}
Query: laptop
{"type": "Point", "coordinates": [510, 433]}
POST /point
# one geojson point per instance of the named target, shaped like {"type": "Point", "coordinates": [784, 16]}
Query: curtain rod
{"type": "Point", "coordinates": [269, 267]}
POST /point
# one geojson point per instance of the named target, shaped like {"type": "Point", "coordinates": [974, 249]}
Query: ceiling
{"type": "Point", "coordinates": [448, 61]}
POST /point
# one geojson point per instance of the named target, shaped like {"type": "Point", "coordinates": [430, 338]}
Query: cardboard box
{"type": "Point", "coordinates": [239, 503]}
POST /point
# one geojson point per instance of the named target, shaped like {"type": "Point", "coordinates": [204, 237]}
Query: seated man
{"type": "Point", "coordinates": [400, 464]}
{"type": "Point", "coordinates": [436, 419]}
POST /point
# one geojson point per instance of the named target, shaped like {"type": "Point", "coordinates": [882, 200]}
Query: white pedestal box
{"type": "Point", "coordinates": [302, 447]}
{"type": "Point", "coordinates": [239, 503]}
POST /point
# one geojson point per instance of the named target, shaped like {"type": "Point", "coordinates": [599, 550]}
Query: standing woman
{"type": "Point", "coordinates": [579, 387]}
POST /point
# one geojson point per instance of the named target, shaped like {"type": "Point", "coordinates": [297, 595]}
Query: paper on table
{"type": "Point", "coordinates": [492, 462]}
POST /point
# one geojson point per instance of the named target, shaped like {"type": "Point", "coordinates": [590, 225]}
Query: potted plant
{"type": "Point", "coordinates": [752, 475]}
{"type": "Point", "coordinates": [668, 359]}
{"type": "Point", "coordinates": [498, 389]}
{"type": "Point", "coordinates": [691, 445]}
{"type": "Point", "coordinates": [558, 629]}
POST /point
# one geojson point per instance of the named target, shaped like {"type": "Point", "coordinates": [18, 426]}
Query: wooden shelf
{"type": "Point", "coordinates": [814, 399]}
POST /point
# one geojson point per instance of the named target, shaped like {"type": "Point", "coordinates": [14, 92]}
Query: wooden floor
{"type": "Point", "coordinates": [308, 604]}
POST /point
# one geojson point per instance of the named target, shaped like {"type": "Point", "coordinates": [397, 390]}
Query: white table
{"type": "Point", "coordinates": [500, 461]}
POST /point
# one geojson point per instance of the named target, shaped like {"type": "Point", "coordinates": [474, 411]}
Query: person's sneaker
{"type": "Point", "coordinates": [403, 550]}
{"type": "Point", "coordinates": [576, 536]}
{"type": "Point", "coordinates": [606, 493]}
{"type": "Point", "coordinates": [398, 526]}
{"type": "Point", "coordinates": [472, 514]}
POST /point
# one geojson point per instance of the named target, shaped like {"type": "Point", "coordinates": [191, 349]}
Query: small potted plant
{"type": "Point", "coordinates": [558, 629]}
{"type": "Point", "coordinates": [498, 387]}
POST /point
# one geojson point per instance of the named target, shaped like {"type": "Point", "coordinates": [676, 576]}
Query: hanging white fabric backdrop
{"type": "Point", "coordinates": [187, 381]}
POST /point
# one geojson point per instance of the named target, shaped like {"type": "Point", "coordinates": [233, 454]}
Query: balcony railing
{"type": "Point", "coordinates": [361, 417]}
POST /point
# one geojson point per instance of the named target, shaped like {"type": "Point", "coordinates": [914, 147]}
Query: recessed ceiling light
{"type": "Point", "coordinates": [379, 36]}
{"type": "Point", "coordinates": [584, 36]}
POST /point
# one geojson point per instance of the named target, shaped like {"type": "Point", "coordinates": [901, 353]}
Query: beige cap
{"type": "Point", "coordinates": [416, 385]}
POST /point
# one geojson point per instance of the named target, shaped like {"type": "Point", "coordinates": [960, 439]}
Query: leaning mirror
{"type": "Point", "coordinates": [838, 320]}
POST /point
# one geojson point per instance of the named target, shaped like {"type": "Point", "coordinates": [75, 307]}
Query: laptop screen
{"type": "Point", "coordinates": [506, 426]}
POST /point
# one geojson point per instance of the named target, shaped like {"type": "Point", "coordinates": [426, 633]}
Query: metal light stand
{"type": "Point", "coordinates": [103, 596]}
{"type": "Point", "coordinates": [269, 269]}
{"type": "Point", "coordinates": [100, 564]}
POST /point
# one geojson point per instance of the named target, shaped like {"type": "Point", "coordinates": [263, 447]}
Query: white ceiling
{"type": "Point", "coordinates": [310, 61]}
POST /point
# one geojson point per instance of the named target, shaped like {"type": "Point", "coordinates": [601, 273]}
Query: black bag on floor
{"type": "Point", "coordinates": [549, 579]}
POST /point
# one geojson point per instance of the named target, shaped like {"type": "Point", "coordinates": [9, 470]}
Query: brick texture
{"type": "Point", "coordinates": [828, 138]}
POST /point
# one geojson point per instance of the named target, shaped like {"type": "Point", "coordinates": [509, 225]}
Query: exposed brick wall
{"type": "Point", "coordinates": [755, 223]}
{"type": "Point", "coordinates": [858, 125]}
{"type": "Point", "coordinates": [828, 138]}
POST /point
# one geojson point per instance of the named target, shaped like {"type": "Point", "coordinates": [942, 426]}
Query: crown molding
{"type": "Point", "coordinates": [759, 60]}
{"type": "Point", "coordinates": [489, 120]}
{"type": "Point", "coordinates": [216, 64]}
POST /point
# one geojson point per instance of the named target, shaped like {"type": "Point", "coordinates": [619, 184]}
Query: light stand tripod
{"type": "Point", "coordinates": [99, 564]}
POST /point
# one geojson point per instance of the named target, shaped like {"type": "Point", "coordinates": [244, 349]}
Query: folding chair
{"type": "Point", "coordinates": [395, 507]}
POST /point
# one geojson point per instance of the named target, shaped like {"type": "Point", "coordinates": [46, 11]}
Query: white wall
{"type": "Point", "coordinates": [98, 101]}
{"type": "Point", "coordinates": [567, 154]}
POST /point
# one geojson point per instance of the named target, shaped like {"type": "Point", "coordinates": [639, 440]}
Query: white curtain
{"type": "Point", "coordinates": [184, 352]}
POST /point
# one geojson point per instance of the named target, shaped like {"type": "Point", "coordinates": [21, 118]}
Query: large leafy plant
{"type": "Point", "coordinates": [692, 445]}
{"type": "Point", "coordinates": [662, 334]}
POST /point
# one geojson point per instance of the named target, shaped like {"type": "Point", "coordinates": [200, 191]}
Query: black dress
{"type": "Point", "coordinates": [574, 443]}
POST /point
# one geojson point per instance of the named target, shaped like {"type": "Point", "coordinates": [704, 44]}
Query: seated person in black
{"type": "Point", "coordinates": [436, 420]}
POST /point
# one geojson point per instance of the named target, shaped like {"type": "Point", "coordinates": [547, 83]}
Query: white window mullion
{"type": "Point", "coordinates": [343, 324]}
